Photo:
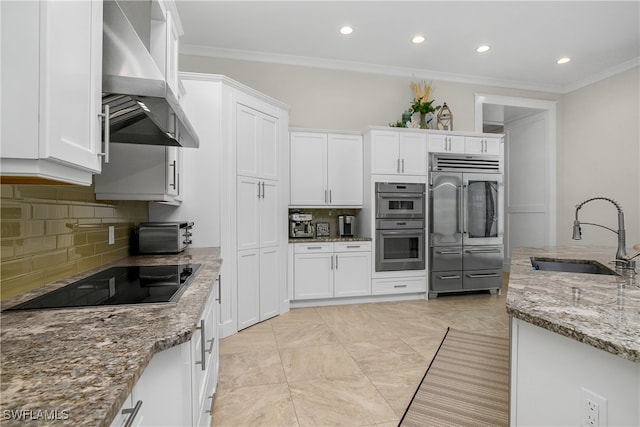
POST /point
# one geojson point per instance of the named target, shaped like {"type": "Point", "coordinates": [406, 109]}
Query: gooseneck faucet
{"type": "Point", "coordinates": [621, 253]}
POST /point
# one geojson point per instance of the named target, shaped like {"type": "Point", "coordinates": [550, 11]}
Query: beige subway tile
{"type": "Point", "coordinates": [50, 211]}
{"type": "Point", "coordinates": [77, 193]}
{"type": "Point", "coordinates": [97, 236]}
{"type": "Point", "coordinates": [78, 211]}
{"type": "Point", "coordinates": [58, 226]}
{"type": "Point", "coordinates": [85, 264]}
{"type": "Point", "coordinates": [114, 255]}
{"type": "Point", "coordinates": [104, 212]}
{"type": "Point", "coordinates": [104, 247]}
{"type": "Point", "coordinates": [84, 251]}
{"type": "Point", "coordinates": [38, 192]}
{"type": "Point", "coordinates": [64, 240]}
{"type": "Point", "coordinates": [21, 284]}
{"type": "Point", "coordinates": [80, 238]}
{"type": "Point", "coordinates": [7, 249]}
{"type": "Point", "coordinates": [14, 268]}
{"type": "Point", "coordinates": [35, 245]}
{"type": "Point", "coordinates": [13, 210]}
{"type": "Point", "coordinates": [10, 229]}
{"type": "Point", "coordinates": [40, 262]}
{"type": "Point", "coordinates": [6, 191]}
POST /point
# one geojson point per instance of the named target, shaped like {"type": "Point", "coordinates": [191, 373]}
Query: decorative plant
{"type": "Point", "coordinates": [421, 103]}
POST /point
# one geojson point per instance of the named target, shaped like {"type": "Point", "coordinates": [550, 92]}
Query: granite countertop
{"type": "Point", "coordinates": [328, 239]}
{"type": "Point", "coordinates": [83, 362]}
{"type": "Point", "coordinates": [600, 310]}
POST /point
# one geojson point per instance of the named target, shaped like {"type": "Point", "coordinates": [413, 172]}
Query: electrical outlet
{"type": "Point", "coordinates": [112, 235]}
{"type": "Point", "coordinates": [594, 409]}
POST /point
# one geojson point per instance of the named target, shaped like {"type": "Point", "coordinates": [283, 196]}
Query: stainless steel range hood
{"type": "Point", "coordinates": [143, 108]}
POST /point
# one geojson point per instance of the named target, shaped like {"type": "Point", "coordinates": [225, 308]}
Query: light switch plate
{"type": "Point", "coordinates": [112, 235]}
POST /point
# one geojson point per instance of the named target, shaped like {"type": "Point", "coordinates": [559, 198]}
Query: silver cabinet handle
{"type": "Point", "coordinates": [219, 299]}
{"type": "Point", "coordinates": [173, 165]}
{"type": "Point", "coordinates": [478, 276]}
{"type": "Point", "coordinates": [336, 262]}
{"type": "Point", "coordinates": [449, 277]}
{"type": "Point", "coordinates": [210, 410]}
{"type": "Point", "coordinates": [133, 413]}
{"type": "Point", "coordinates": [263, 189]}
{"type": "Point", "coordinates": [329, 196]}
{"type": "Point", "coordinates": [107, 134]}
{"type": "Point", "coordinates": [402, 165]}
{"type": "Point", "coordinates": [332, 262]}
{"type": "Point", "coordinates": [399, 286]}
{"type": "Point", "coordinates": [212, 341]}
{"type": "Point", "coordinates": [203, 362]}
{"type": "Point", "coordinates": [258, 189]}
{"type": "Point", "coordinates": [398, 165]}
{"type": "Point", "coordinates": [325, 196]}
{"type": "Point", "coordinates": [310, 248]}
{"type": "Point", "coordinates": [352, 246]}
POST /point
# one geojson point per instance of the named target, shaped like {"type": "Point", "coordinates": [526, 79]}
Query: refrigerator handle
{"type": "Point", "coordinates": [460, 209]}
{"type": "Point", "coordinates": [465, 189]}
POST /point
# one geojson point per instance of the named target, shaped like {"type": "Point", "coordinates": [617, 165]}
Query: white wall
{"type": "Point", "coordinates": [599, 155]}
{"type": "Point", "coordinates": [597, 125]}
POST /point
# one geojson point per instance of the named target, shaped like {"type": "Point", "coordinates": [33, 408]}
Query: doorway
{"type": "Point", "coordinates": [529, 126]}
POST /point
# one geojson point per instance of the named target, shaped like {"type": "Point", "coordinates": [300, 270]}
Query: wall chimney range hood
{"type": "Point", "coordinates": [143, 108]}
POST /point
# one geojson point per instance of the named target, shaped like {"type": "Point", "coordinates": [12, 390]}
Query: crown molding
{"type": "Point", "coordinates": [359, 67]}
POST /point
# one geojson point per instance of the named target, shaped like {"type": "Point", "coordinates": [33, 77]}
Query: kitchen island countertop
{"type": "Point", "coordinates": [328, 239]}
{"type": "Point", "coordinates": [83, 362]}
{"type": "Point", "coordinates": [600, 310]}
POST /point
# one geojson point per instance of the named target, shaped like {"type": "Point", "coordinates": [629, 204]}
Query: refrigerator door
{"type": "Point", "coordinates": [483, 209]}
{"type": "Point", "coordinates": [445, 209]}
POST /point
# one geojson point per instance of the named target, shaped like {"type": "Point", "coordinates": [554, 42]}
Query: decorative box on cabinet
{"type": "Point", "coordinates": [326, 169]}
{"type": "Point", "coordinates": [141, 172]}
{"type": "Point", "coordinates": [398, 152]}
{"type": "Point", "coordinates": [328, 270]}
{"type": "Point", "coordinates": [51, 59]}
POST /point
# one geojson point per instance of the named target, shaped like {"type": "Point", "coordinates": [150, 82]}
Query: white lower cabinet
{"type": "Point", "coordinates": [399, 285]}
{"type": "Point", "coordinates": [327, 270]}
{"type": "Point", "coordinates": [258, 285]}
{"type": "Point", "coordinates": [178, 385]}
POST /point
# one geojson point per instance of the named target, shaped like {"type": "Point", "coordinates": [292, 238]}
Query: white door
{"type": "Point", "coordinates": [71, 64]}
{"type": "Point", "coordinates": [385, 147]}
{"type": "Point", "coordinates": [352, 274]}
{"type": "Point", "coordinates": [249, 194]}
{"type": "Point", "coordinates": [526, 175]}
{"type": "Point", "coordinates": [308, 169]}
{"type": "Point", "coordinates": [268, 147]}
{"type": "Point", "coordinates": [248, 288]}
{"type": "Point", "coordinates": [413, 154]}
{"type": "Point", "coordinates": [344, 176]}
{"type": "Point", "coordinates": [269, 282]}
{"type": "Point", "coordinates": [247, 141]}
{"type": "Point", "coordinates": [269, 212]}
{"type": "Point", "coordinates": [313, 276]}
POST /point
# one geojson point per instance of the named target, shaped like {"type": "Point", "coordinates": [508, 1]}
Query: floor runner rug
{"type": "Point", "coordinates": [466, 384]}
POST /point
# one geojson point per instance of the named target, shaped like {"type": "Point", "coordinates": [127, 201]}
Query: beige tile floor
{"type": "Point", "coordinates": [347, 365]}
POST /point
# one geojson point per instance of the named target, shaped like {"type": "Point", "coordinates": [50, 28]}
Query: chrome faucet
{"type": "Point", "coordinates": [622, 260]}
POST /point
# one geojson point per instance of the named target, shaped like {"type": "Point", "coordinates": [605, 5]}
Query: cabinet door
{"type": "Point", "coordinates": [352, 274]}
{"type": "Point", "coordinates": [248, 288]}
{"type": "Point", "coordinates": [269, 213]}
{"type": "Point", "coordinates": [269, 282]}
{"type": "Point", "coordinates": [481, 145]}
{"type": "Point", "coordinates": [313, 276]}
{"type": "Point", "coordinates": [268, 147]}
{"type": "Point", "coordinates": [385, 149]}
{"type": "Point", "coordinates": [173, 171]}
{"type": "Point", "coordinates": [344, 170]}
{"type": "Point", "coordinates": [247, 154]}
{"type": "Point", "coordinates": [172, 39]}
{"type": "Point", "coordinates": [70, 82]}
{"type": "Point", "coordinates": [413, 154]}
{"type": "Point", "coordinates": [442, 143]}
{"type": "Point", "coordinates": [249, 194]}
{"type": "Point", "coordinates": [308, 169]}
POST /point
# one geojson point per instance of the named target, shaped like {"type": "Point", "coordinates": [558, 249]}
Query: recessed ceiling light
{"type": "Point", "coordinates": [483, 48]}
{"type": "Point", "coordinates": [563, 60]}
{"type": "Point", "coordinates": [346, 30]}
{"type": "Point", "coordinates": [417, 40]}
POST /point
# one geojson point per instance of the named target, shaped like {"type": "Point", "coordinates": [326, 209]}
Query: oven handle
{"type": "Point", "coordinates": [412, 231]}
{"type": "Point", "coordinates": [478, 276]}
{"type": "Point", "coordinates": [401, 195]}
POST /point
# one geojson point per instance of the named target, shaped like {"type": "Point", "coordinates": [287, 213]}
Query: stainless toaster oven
{"type": "Point", "coordinates": [163, 237]}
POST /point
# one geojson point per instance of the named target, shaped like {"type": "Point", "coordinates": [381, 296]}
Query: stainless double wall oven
{"type": "Point", "coordinates": [400, 226]}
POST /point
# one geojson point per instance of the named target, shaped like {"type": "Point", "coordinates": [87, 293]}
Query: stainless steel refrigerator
{"type": "Point", "coordinates": [466, 223]}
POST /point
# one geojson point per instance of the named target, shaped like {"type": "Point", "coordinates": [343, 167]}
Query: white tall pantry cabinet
{"type": "Point", "coordinates": [232, 190]}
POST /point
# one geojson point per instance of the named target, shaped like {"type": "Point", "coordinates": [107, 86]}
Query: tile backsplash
{"type": "Point", "coordinates": [329, 216]}
{"type": "Point", "coordinates": [49, 232]}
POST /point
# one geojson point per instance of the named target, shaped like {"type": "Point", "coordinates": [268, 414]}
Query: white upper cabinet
{"type": "Point", "coordinates": [257, 143]}
{"type": "Point", "coordinates": [398, 153]}
{"type": "Point", "coordinates": [51, 90]}
{"type": "Point", "coordinates": [326, 169]}
{"type": "Point", "coordinates": [447, 142]}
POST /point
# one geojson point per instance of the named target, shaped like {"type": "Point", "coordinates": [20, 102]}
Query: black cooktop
{"type": "Point", "coordinates": [119, 285]}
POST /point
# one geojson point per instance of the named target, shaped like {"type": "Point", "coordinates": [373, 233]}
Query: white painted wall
{"type": "Point", "coordinates": [599, 155]}
{"type": "Point", "coordinates": [597, 126]}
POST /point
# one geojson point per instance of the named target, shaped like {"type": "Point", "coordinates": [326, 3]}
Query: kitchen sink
{"type": "Point", "coordinates": [571, 266]}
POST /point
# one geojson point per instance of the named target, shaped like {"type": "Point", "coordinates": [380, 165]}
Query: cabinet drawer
{"type": "Point", "coordinates": [400, 285]}
{"type": "Point", "coordinates": [483, 279]}
{"type": "Point", "coordinates": [352, 247]}
{"type": "Point", "coordinates": [445, 259]}
{"type": "Point", "coordinates": [483, 257]}
{"type": "Point", "coordinates": [303, 248]}
{"type": "Point", "coordinates": [446, 281]}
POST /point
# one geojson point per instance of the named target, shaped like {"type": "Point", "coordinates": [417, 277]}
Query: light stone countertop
{"type": "Point", "coordinates": [328, 239]}
{"type": "Point", "coordinates": [600, 310]}
{"type": "Point", "coordinates": [83, 362]}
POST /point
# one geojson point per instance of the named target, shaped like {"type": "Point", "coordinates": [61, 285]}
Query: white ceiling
{"type": "Point", "coordinates": [526, 38]}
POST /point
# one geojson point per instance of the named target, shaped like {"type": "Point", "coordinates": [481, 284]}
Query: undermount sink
{"type": "Point", "coordinates": [571, 266]}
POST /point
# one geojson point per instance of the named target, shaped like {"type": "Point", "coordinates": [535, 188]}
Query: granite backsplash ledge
{"type": "Point", "coordinates": [49, 232]}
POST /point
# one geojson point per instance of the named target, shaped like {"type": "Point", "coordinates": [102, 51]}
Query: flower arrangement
{"type": "Point", "coordinates": [421, 103]}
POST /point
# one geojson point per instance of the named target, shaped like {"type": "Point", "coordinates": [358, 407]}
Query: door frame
{"type": "Point", "coordinates": [550, 110]}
